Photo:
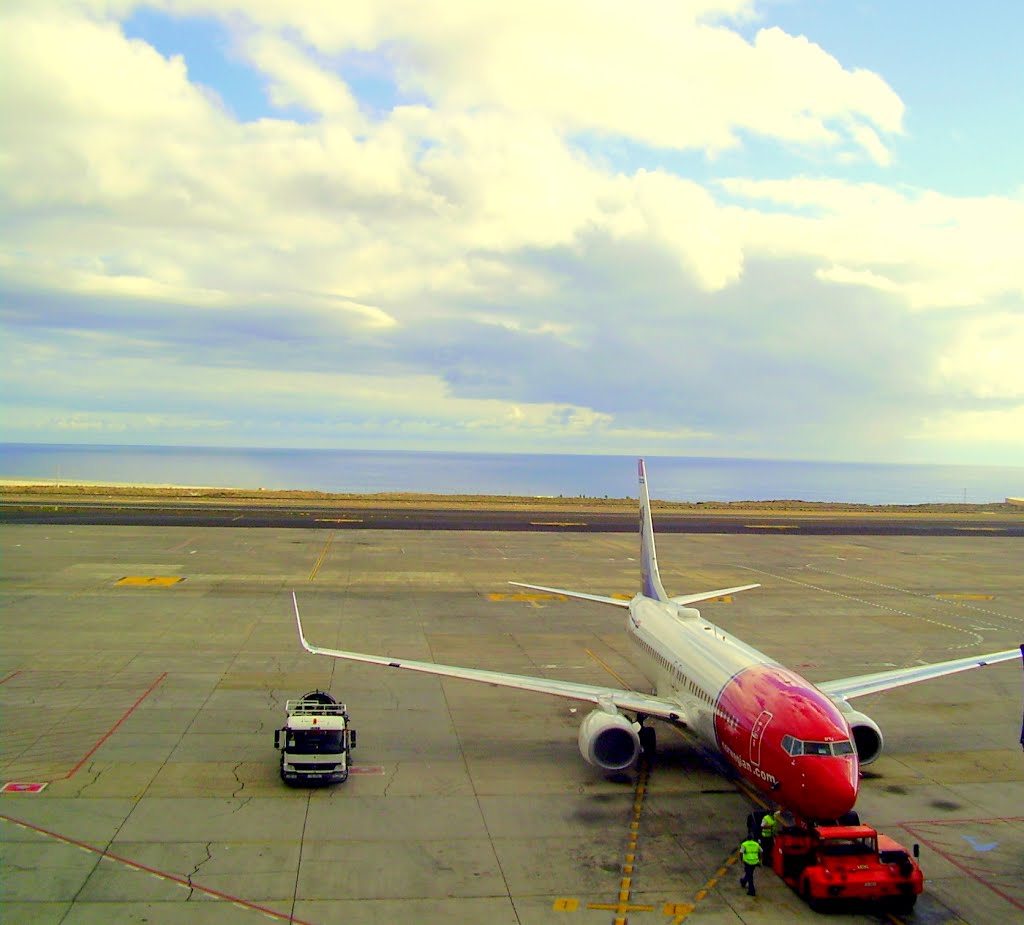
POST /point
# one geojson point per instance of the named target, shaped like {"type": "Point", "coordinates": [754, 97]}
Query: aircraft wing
{"type": "Point", "coordinates": [860, 685]}
{"type": "Point", "coordinates": [634, 701]}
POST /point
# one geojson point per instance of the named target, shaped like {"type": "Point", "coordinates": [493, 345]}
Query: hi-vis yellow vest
{"type": "Point", "coordinates": [751, 851]}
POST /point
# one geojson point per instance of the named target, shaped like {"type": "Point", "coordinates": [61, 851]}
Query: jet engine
{"type": "Point", "coordinates": [867, 737]}
{"type": "Point", "coordinates": [609, 740]}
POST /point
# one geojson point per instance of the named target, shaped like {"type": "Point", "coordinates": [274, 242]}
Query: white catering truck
{"type": "Point", "coordinates": [316, 740]}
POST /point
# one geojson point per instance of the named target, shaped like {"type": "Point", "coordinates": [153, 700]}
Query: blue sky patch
{"type": "Point", "coordinates": [207, 46]}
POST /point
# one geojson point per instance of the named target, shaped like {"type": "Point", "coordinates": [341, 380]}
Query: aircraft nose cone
{"type": "Point", "coordinates": [830, 788]}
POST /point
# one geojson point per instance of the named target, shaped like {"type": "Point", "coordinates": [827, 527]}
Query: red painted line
{"type": "Point", "coordinates": [961, 822]}
{"type": "Point", "coordinates": [113, 729]}
{"type": "Point", "coordinates": [163, 875]}
{"type": "Point", "coordinates": [952, 858]}
{"type": "Point", "coordinates": [13, 674]}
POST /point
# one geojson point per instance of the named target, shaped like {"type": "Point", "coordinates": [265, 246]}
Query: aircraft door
{"type": "Point", "coordinates": [756, 734]}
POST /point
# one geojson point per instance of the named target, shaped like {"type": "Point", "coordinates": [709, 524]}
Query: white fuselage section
{"type": "Point", "coordinates": [688, 659]}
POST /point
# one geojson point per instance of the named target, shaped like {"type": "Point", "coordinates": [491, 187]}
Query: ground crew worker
{"type": "Point", "coordinates": [768, 826]}
{"type": "Point", "coordinates": [750, 854]}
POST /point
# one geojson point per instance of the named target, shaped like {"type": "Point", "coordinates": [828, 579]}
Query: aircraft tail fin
{"type": "Point", "coordinates": [651, 581]}
{"type": "Point", "coordinates": [652, 586]}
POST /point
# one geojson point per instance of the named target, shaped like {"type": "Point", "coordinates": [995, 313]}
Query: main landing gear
{"type": "Point", "coordinates": [648, 740]}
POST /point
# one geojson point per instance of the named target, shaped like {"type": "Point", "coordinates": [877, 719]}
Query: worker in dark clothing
{"type": "Point", "coordinates": [750, 854]}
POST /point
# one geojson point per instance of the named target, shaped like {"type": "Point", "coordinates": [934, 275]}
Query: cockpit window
{"type": "Point", "coordinates": [817, 748]}
{"type": "Point", "coordinates": [797, 747]}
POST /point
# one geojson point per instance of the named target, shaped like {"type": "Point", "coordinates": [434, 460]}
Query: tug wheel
{"type": "Point", "coordinates": [813, 903]}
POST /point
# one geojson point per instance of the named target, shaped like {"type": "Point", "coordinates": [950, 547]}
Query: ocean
{"type": "Point", "coordinates": [672, 478]}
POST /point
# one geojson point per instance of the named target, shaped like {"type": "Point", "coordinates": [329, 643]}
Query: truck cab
{"type": "Point", "coordinates": [316, 740]}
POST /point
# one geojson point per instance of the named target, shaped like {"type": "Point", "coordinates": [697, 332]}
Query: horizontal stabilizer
{"type": "Point", "coordinates": [708, 595]}
{"type": "Point", "coordinates": [599, 598]}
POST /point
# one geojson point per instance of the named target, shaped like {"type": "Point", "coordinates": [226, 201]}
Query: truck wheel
{"type": "Point", "coordinates": [850, 818]}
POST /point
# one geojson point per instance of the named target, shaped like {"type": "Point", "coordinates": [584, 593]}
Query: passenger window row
{"type": "Point", "coordinates": [671, 667]}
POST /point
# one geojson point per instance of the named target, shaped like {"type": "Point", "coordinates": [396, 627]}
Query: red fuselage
{"type": "Point", "coordinates": [779, 732]}
{"type": "Point", "coordinates": [764, 704]}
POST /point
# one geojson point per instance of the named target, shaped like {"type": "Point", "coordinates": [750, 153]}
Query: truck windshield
{"type": "Point", "coordinates": [316, 741]}
{"type": "Point", "coordinates": [849, 847]}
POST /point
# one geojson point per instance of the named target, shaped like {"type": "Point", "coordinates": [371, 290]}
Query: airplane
{"type": "Point", "coordinates": [799, 744]}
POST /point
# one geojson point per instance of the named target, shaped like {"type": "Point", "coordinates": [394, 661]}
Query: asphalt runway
{"type": "Point", "coordinates": [555, 520]}
{"type": "Point", "coordinates": [144, 669]}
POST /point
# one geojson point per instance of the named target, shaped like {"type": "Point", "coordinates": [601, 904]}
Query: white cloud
{"type": "Point", "coordinates": [298, 81]}
{"type": "Point", "coordinates": [671, 77]}
{"type": "Point", "coordinates": [934, 251]}
{"type": "Point", "coordinates": [867, 138]}
{"type": "Point", "coordinates": [677, 76]}
{"type": "Point", "coordinates": [398, 203]}
{"type": "Point", "coordinates": [850, 277]}
{"type": "Point", "coordinates": [683, 217]}
{"type": "Point", "coordinates": [994, 432]}
{"type": "Point", "coordinates": [458, 264]}
{"type": "Point", "coordinates": [983, 360]}
{"type": "Point", "coordinates": [109, 424]}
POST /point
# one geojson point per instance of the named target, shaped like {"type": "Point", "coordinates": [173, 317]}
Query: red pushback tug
{"type": "Point", "coordinates": [829, 864]}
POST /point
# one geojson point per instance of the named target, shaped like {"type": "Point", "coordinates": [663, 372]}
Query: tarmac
{"type": "Point", "coordinates": [144, 669]}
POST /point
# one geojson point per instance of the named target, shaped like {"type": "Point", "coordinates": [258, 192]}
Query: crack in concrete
{"type": "Point", "coordinates": [195, 870]}
{"type": "Point", "coordinates": [391, 777]}
{"type": "Point", "coordinates": [89, 769]}
{"type": "Point", "coordinates": [240, 782]}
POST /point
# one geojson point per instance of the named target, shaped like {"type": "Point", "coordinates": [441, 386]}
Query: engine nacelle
{"type": "Point", "coordinates": [609, 740]}
{"type": "Point", "coordinates": [867, 737]}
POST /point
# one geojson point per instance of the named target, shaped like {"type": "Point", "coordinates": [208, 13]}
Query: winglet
{"type": "Point", "coordinates": [1022, 717]}
{"type": "Point", "coordinates": [298, 623]}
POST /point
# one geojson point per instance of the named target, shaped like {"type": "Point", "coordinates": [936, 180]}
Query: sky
{"type": "Point", "coordinates": [786, 229]}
